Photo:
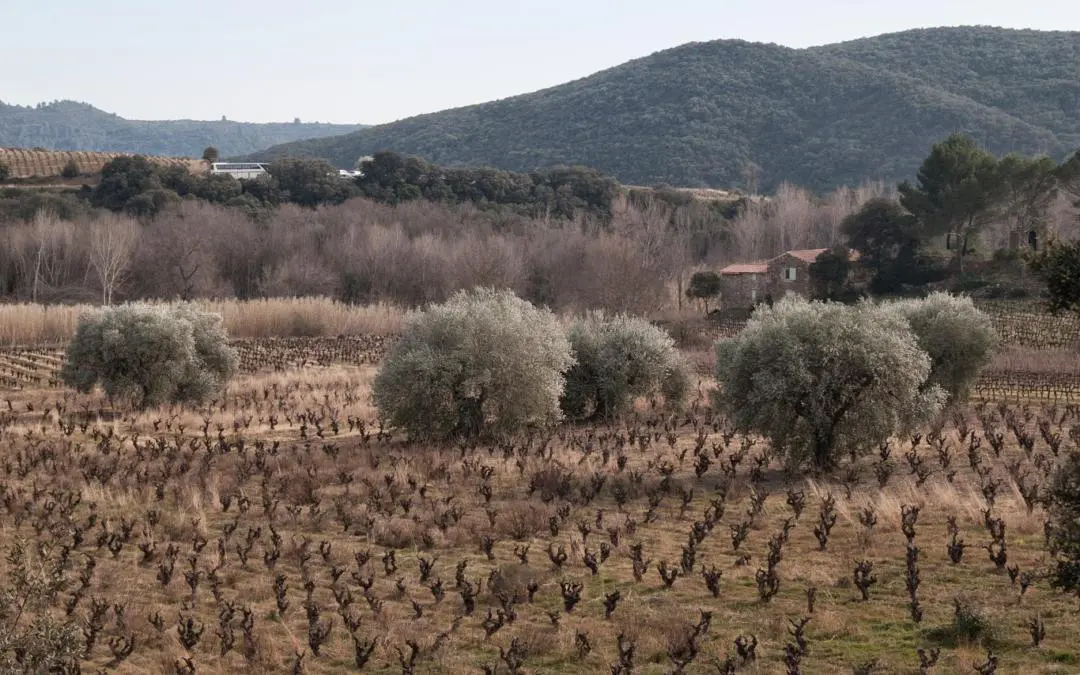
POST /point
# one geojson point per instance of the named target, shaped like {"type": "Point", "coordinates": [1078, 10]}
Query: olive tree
{"type": "Point", "coordinates": [150, 354]}
{"type": "Point", "coordinates": [32, 638]}
{"type": "Point", "coordinates": [820, 380]}
{"type": "Point", "coordinates": [617, 359]}
{"type": "Point", "coordinates": [959, 338]}
{"type": "Point", "coordinates": [485, 362]}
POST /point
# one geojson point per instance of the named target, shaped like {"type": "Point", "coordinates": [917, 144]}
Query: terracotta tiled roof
{"type": "Point", "coordinates": [762, 266]}
{"type": "Point", "coordinates": [812, 254]}
{"type": "Point", "coordinates": [807, 254]}
{"type": "Point", "coordinates": [746, 268]}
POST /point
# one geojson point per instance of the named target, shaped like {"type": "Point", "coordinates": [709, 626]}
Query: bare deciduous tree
{"type": "Point", "coordinates": [112, 243]}
{"type": "Point", "coordinates": [52, 257]}
{"type": "Point", "coordinates": [751, 177]}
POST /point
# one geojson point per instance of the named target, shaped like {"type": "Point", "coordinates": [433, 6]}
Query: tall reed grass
{"type": "Point", "coordinates": [36, 324]}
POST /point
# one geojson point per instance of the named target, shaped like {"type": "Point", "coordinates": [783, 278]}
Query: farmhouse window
{"type": "Point", "coordinates": [790, 273]}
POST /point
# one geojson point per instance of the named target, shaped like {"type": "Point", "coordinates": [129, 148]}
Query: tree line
{"type": "Point", "coordinates": [943, 219]}
{"type": "Point", "coordinates": [137, 187]}
{"type": "Point", "coordinates": [411, 232]}
{"type": "Point", "coordinates": [358, 251]}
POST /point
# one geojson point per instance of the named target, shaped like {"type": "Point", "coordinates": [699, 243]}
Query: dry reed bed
{"type": "Point", "coordinates": [1017, 359]}
{"type": "Point", "coordinates": [34, 324]}
{"type": "Point", "coordinates": [277, 501]}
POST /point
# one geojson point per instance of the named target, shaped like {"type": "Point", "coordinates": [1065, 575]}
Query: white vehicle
{"type": "Point", "coordinates": [239, 170]}
{"type": "Point", "coordinates": [345, 173]}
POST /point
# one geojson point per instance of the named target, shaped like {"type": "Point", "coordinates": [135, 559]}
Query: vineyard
{"type": "Point", "coordinates": [1019, 324]}
{"type": "Point", "coordinates": [36, 368]}
{"type": "Point", "coordinates": [281, 530]}
{"type": "Point", "coordinates": [1039, 360]}
{"type": "Point", "coordinates": [1029, 325]}
{"type": "Point", "coordinates": [24, 163]}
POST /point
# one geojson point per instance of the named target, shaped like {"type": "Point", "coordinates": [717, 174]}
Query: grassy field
{"type": "Point", "coordinates": [283, 510]}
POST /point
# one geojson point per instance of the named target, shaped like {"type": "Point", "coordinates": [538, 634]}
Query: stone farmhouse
{"type": "Point", "coordinates": [744, 285]}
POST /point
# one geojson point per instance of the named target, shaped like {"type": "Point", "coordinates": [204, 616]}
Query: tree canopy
{"type": "Point", "coordinates": [823, 380]}
{"type": "Point", "coordinates": [150, 354]}
{"type": "Point", "coordinates": [617, 359]}
{"type": "Point", "coordinates": [1058, 266]}
{"type": "Point", "coordinates": [887, 239]}
{"type": "Point", "coordinates": [955, 192]}
{"type": "Point", "coordinates": [559, 193]}
{"type": "Point", "coordinates": [704, 286]}
{"type": "Point", "coordinates": [959, 339]}
{"type": "Point", "coordinates": [485, 362]}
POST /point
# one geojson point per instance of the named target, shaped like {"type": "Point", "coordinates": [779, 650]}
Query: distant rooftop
{"type": "Point", "coordinates": [746, 268]}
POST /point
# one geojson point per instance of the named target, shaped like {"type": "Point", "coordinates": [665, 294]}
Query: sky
{"type": "Point", "coordinates": [358, 61]}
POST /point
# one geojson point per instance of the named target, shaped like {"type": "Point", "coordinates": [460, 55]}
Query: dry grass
{"type": "Point", "coordinates": [305, 317]}
{"type": "Point", "coordinates": [271, 439]}
{"type": "Point", "coordinates": [36, 324]}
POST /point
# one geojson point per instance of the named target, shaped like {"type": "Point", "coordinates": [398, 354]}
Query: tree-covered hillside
{"type": "Point", "coordinates": [700, 114]}
{"type": "Point", "coordinates": [67, 125]}
{"type": "Point", "coordinates": [1032, 75]}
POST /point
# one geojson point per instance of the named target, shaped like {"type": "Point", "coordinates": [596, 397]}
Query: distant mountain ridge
{"type": "Point", "coordinates": [698, 115]}
{"type": "Point", "coordinates": [69, 125]}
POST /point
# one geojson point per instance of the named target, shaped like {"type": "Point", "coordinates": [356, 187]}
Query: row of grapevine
{"type": "Point", "coordinates": [25, 163]}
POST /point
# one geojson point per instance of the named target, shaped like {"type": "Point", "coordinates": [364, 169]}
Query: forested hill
{"type": "Point", "coordinates": [67, 125]}
{"type": "Point", "coordinates": [699, 114]}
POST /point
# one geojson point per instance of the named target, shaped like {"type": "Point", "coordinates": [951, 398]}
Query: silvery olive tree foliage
{"type": "Point", "coordinates": [485, 362]}
{"type": "Point", "coordinates": [33, 637]}
{"type": "Point", "coordinates": [150, 354]}
{"type": "Point", "coordinates": [820, 380]}
{"type": "Point", "coordinates": [617, 359]}
{"type": "Point", "coordinates": [959, 338]}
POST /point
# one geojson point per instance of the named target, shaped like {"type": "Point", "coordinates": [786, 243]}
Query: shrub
{"type": "Point", "coordinates": [618, 359]}
{"type": "Point", "coordinates": [150, 354]}
{"type": "Point", "coordinates": [484, 362]}
{"type": "Point", "coordinates": [704, 286]}
{"type": "Point", "coordinates": [958, 337]}
{"type": "Point", "coordinates": [970, 626]}
{"type": "Point", "coordinates": [5, 172]}
{"type": "Point", "coordinates": [1064, 529]}
{"type": "Point", "coordinates": [1058, 267]}
{"type": "Point", "coordinates": [310, 182]}
{"type": "Point", "coordinates": [821, 379]}
{"type": "Point", "coordinates": [70, 170]}
{"type": "Point", "coordinates": [969, 622]}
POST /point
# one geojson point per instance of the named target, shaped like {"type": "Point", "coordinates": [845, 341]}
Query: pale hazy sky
{"type": "Point", "coordinates": [374, 62]}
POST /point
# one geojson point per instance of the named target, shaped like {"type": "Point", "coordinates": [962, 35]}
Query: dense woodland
{"type": "Point", "coordinates": [728, 113]}
{"type": "Point", "coordinates": [68, 125]}
{"type": "Point", "coordinates": [410, 232]}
